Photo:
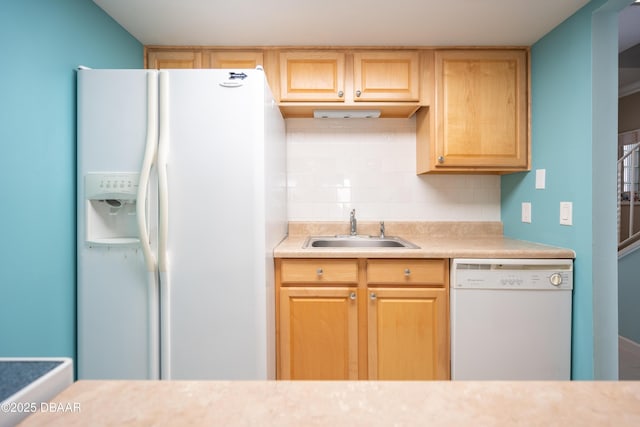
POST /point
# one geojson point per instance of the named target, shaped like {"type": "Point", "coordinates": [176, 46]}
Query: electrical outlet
{"type": "Point", "coordinates": [526, 212]}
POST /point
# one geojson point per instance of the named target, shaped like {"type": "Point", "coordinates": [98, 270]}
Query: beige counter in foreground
{"type": "Point", "coordinates": [357, 403]}
{"type": "Point", "coordinates": [436, 240]}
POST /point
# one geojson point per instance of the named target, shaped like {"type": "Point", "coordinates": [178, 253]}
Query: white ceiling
{"type": "Point", "coordinates": [340, 22]}
{"type": "Point", "coordinates": [629, 25]}
{"type": "Point", "coordinates": [357, 23]}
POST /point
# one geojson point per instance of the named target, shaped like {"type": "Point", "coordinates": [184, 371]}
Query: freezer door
{"type": "Point", "coordinates": [114, 294]}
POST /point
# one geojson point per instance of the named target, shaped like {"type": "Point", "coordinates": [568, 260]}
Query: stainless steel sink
{"type": "Point", "coordinates": [359, 241]}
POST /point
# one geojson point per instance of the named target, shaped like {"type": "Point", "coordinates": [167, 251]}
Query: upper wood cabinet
{"type": "Point", "coordinates": [479, 121]}
{"type": "Point", "coordinates": [472, 104]}
{"type": "Point", "coordinates": [312, 76]}
{"type": "Point", "coordinates": [386, 76]}
{"type": "Point", "coordinates": [169, 59]}
{"type": "Point", "coordinates": [387, 81]}
{"type": "Point", "coordinates": [233, 59]}
{"type": "Point", "coordinates": [362, 76]}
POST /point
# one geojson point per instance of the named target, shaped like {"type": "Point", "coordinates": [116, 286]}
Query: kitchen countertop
{"type": "Point", "coordinates": [435, 239]}
{"type": "Point", "coordinates": [343, 403]}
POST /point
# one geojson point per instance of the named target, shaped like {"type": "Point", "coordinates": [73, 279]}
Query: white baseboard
{"type": "Point", "coordinates": [629, 346]}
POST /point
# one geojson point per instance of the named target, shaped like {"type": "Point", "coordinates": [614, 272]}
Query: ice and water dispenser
{"type": "Point", "coordinates": [110, 208]}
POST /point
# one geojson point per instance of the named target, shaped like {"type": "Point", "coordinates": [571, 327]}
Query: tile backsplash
{"type": "Point", "coordinates": [335, 165]}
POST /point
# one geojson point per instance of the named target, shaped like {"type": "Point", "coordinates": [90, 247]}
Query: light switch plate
{"type": "Point", "coordinates": [541, 179]}
{"type": "Point", "coordinates": [566, 213]}
{"type": "Point", "coordinates": [526, 212]}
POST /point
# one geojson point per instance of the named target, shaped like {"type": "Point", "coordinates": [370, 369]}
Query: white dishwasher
{"type": "Point", "coordinates": [511, 319]}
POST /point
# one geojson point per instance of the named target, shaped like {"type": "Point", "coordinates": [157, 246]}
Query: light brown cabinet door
{"type": "Point", "coordinates": [481, 109]}
{"type": "Point", "coordinates": [318, 333]}
{"type": "Point", "coordinates": [312, 76]}
{"type": "Point", "coordinates": [407, 334]}
{"type": "Point", "coordinates": [386, 76]}
{"type": "Point", "coordinates": [233, 59]}
{"type": "Point", "coordinates": [168, 59]}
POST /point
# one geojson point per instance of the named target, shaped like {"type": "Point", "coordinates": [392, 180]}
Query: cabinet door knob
{"type": "Point", "coordinates": [352, 296]}
{"type": "Point", "coordinates": [358, 93]}
{"type": "Point", "coordinates": [340, 94]}
{"type": "Point", "coordinates": [373, 296]}
{"type": "Point", "coordinates": [407, 272]}
{"type": "Point", "coordinates": [441, 159]}
{"type": "Point", "coordinates": [319, 271]}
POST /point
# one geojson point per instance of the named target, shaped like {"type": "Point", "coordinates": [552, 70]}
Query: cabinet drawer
{"type": "Point", "coordinates": [319, 271]}
{"type": "Point", "coordinates": [407, 272]}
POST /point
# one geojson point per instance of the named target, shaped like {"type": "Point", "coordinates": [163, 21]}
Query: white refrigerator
{"type": "Point", "coordinates": [181, 200]}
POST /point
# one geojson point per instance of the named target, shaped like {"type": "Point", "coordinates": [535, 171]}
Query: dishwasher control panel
{"type": "Point", "coordinates": [542, 274]}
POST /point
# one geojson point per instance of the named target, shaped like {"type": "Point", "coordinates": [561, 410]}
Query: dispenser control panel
{"type": "Point", "coordinates": [112, 185]}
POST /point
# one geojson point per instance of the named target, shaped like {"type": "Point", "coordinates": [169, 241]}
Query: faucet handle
{"type": "Point", "coordinates": [353, 213]}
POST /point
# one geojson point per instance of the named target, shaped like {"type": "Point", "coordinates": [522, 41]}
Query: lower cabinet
{"type": "Point", "coordinates": [345, 319]}
{"type": "Point", "coordinates": [319, 333]}
{"type": "Point", "coordinates": [406, 336]}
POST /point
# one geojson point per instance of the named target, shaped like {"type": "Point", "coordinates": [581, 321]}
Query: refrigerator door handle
{"type": "Point", "coordinates": [150, 151]}
{"type": "Point", "coordinates": [163, 227]}
{"type": "Point", "coordinates": [145, 172]}
{"type": "Point", "coordinates": [163, 151]}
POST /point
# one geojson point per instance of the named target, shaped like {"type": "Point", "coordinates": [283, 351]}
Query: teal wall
{"type": "Point", "coordinates": [42, 43]}
{"type": "Point", "coordinates": [574, 127]}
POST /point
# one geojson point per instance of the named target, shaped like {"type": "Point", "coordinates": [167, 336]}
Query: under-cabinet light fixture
{"type": "Point", "coordinates": [346, 114]}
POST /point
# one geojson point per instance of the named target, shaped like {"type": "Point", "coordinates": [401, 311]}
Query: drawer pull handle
{"type": "Point", "coordinates": [352, 296]}
{"type": "Point", "coordinates": [373, 296]}
{"type": "Point", "coordinates": [320, 271]}
{"type": "Point", "coordinates": [407, 272]}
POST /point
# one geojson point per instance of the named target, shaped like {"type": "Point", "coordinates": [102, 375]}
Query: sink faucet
{"type": "Point", "coordinates": [382, 229]}
{"type": "Point", "coordinates": [353, 222]}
